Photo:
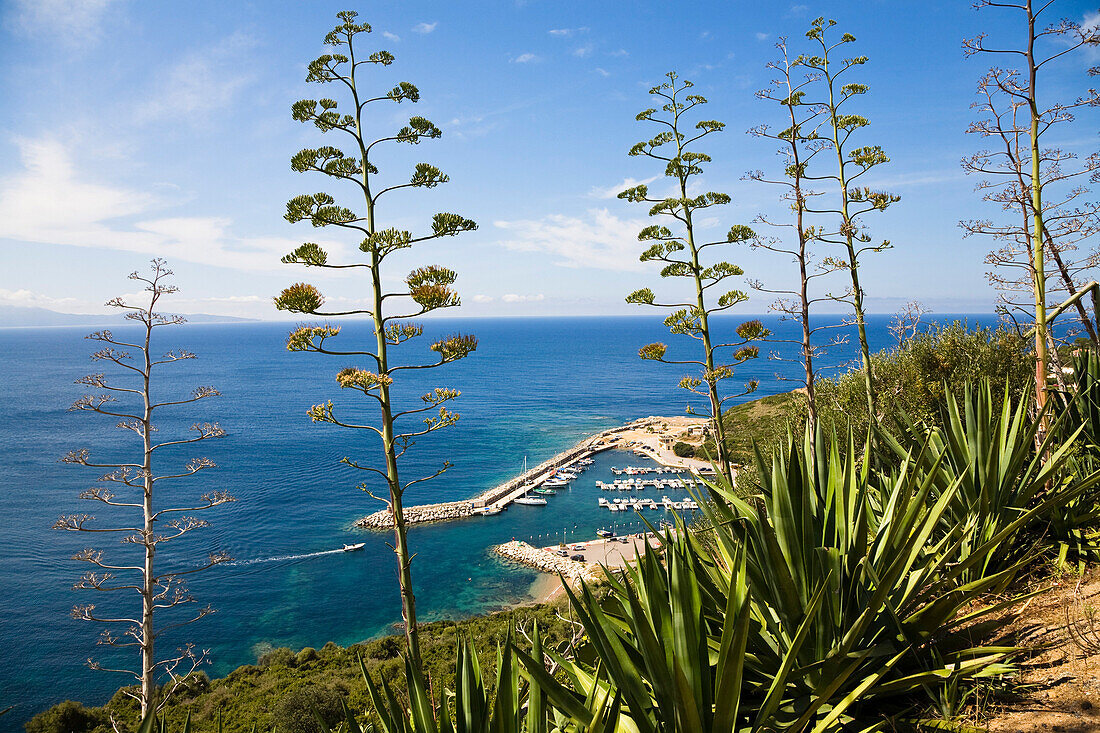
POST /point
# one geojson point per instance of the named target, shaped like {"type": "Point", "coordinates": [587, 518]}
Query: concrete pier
{"type": "Point", "coordinates": [501, 496]}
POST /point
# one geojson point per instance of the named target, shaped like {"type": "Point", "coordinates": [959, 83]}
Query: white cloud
{"type": "Point", "coordinates": [50, 202]}
{"type": "Point", "coordinates": [798, 11]}
{"type": "Point", "coordinates": [424, 28]}
{"type": "Point", "coordinates": [525, 58]}
{"type": "Point", "coordinates": [26, 299]}
{"type": "Point", "coordinates": [567, 32]}
{"type": "Point", "coordinates": [583, 51]}
{"type": "Point", "coordinates": [391, 36]}
{"type": "Point", "coordinates": [482, 298]}
{"type": "Point", "coordinates": [622, 52]}
{"type": "Point", "coordinates": [601, 240]}
{"type": "Point", "coordinates": [203, 81]}
{"type": "Point", "coordinates": [513, 298]}
{"type": "Point", "coordinates": [611, 192]}
{"type": "Point", "coordinates": [762, 36]}
{"type": "Point", "coordinates": [74, 22]}
{"type": "Point", "coordinates": [603, 72]}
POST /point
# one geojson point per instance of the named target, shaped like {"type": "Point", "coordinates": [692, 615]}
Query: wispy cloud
{"type": "Point", "coordinates": [479, 298]}
{"type": "Point", "coordinates": [201, 82]}
{"type": "Point", "coordinates": [568, 32]}
{"type": "Point", "coordinates": [611, 192]}
{"type": "Point", "coordinates": [424, 28]}
{"type": "Point", "coordinates": [621, 53]}
{"type": "Point", "coordinates": [514, 298]}
{"type": "Point", "coordinates": [391, 36]}
{"type": "Point", "coordinates": [603, 72]}
{"type": "Point", "coordinates": [525, 58]}
{"type": "Point", "coordinates": [798, 11]}
{"type": "Point", "coordinates": [601, 240]}
{"type": "Point", "coordinates": [100, 215]}
{"type": "Point", "coordinates": [762, 36]}
{"type": "Point", "coordinates": [583, 51]}
{"type": "Point", "coordinates": [74, 22]}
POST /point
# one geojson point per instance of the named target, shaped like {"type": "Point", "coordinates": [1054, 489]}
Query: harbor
{"type": "Point", "coordinates": [649, 438]}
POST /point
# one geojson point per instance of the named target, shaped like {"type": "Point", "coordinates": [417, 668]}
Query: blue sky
{"type": "Point", "coordinates": [138, 129]}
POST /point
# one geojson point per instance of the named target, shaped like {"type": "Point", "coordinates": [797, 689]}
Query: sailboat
{"type": "Point", "coordinates": [530, 500]}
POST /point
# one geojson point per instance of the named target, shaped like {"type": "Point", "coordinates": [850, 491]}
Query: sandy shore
{"type": "Point", "coordinates": [611, 553]}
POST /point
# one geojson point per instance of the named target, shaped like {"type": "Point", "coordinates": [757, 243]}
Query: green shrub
{"type": "Point", "coordinates": [683, 450]}
{"type": "Point", "coordinates": [308, 654]}
{"type": "Point", "coordinates": [295, 711]}
{"type": "Point", "coordinates": [68, 717]}
{"type": "Point", "coordinates": [281, 657]}
{"type": "Point", "coordinates": [910, 378]}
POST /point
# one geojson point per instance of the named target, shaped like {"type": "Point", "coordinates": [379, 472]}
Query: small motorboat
{"type": "Point", "coordinates": [356, 546]}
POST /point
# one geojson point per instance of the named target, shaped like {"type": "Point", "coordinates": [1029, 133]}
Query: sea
{"type": "Point", "coordinates": [534, 387]}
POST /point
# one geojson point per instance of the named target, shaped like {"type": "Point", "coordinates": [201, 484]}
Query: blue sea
{"type": "Point", "coordinates": [533, 387]}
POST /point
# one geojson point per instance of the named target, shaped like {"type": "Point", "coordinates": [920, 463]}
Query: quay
{"type": "Point", "coordinates": [648, 436]}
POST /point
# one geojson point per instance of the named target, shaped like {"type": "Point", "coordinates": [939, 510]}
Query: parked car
{"type": "Point", "coordinates": [579, 547]}
{"type": "Point", "coordinates": [579, 558]}
{"type": "Point", "coordinates": [563, 553]}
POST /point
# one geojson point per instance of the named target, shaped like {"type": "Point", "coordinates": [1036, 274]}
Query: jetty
{"type": "Point", "coordinates": [642, 435]}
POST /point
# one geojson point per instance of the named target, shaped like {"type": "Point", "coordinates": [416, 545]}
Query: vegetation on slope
{"type": "Point", "coordinates": [281, 687]}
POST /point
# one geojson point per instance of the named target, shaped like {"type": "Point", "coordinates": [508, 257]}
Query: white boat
{"type": "Point", "coordinates": [353, 548]}
{"type": "Point", "coordinates": [530, 501]}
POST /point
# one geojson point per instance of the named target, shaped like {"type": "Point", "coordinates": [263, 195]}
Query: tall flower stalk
{"type": "Point", "coordinates": [684, 255]}
{"type": "Point", "coordinates": [1018, 172]}
{"type": "Point", "coordinates": [143, 520]}
{"type": "Point", "coordinates": [798, 144]}
{"type": "Point", "coordinates": [425, 289]}
{"type": "Point", "coordinates": [851, 201]}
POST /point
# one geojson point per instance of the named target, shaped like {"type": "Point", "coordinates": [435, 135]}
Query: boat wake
{"type": "Point", "coordinates": [283, 558]}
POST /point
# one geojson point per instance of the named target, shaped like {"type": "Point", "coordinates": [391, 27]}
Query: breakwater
{"type": "Point", "coordinates": [548, 562]}
{"type": "Point", "coordinates": [499, 497]}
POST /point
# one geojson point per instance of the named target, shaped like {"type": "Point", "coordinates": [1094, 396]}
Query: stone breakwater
{"type": "Point", "coordinates": [419, 514]}
{"type": "Point", "coordinates": [500, 496]}
{"type": "Point", "coordinates": [548, 562]}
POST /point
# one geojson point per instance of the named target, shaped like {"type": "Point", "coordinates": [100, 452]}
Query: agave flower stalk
{"type": "Point", "coordinates": [683, 253]}
{"type": "Point", "coordinates": [152, 524]}
{"type": "Point", "coordinates": [426, 289]}
{"type": "Point", "coordinates": [852, 201]}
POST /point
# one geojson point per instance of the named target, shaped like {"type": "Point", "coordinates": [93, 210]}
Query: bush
{"type": "Point", "coordinates": [308, 654]}
{"type": "Point", "coordinates": [295, 712]}
{"type": "Point", "coordinates": [68, 717]}
{"type": "Point", "coordinates": [683, 450]}
{"type": "Point", "coordinates": [910, 378]}
{"type": "Point", "coordinates": [281, 657]}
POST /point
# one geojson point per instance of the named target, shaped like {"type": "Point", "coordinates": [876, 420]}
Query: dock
{"type": "Point", "coordinates": [499, 497]}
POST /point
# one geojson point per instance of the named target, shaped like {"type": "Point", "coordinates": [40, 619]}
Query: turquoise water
{"type": "Point", "coordinates": [533, 388]}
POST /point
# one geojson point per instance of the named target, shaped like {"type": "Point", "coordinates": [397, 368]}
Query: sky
{"type": "Point", "coordinates": [132, 130]}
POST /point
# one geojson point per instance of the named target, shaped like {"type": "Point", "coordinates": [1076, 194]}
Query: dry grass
{"type": "Point", "coordinates": [1059, 685]}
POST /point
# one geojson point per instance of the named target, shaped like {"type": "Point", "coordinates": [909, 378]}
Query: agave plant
{"type": "Point", "coordinates": [1080, 406]}
{"type": "Point", "coordinates": [852, 584]}
{"type": "Point", "coordinates": [1005, 471]}
{"type": "Point", "coordinates": [519, 705]}
{"type": "Point", "coordinates": [672, 643]}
